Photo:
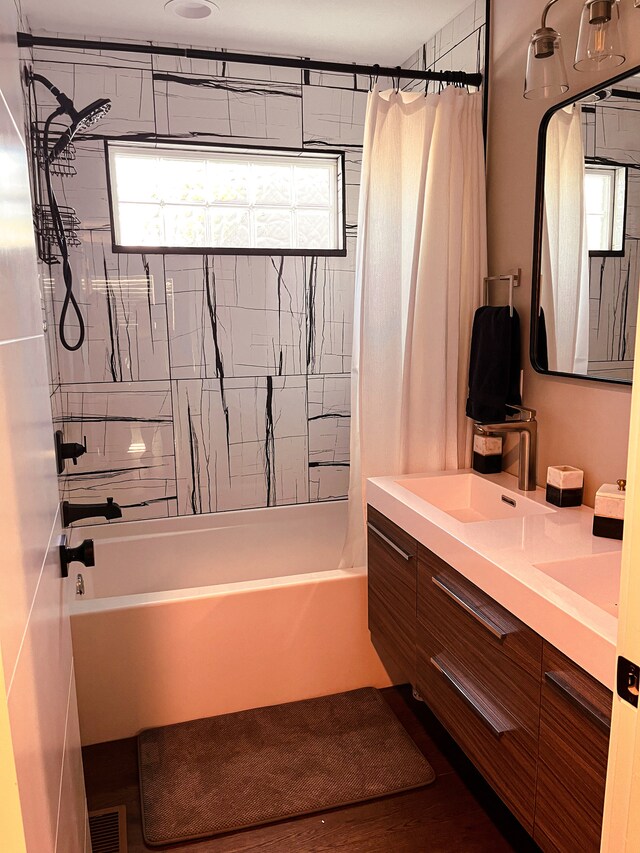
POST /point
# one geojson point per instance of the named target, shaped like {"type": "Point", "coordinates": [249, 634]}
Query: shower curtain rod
{"type": "Point", "coordinates": [460, 77]}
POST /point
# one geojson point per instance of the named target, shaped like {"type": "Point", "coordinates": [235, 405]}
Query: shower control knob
{"type": "Point", "coordinates": [83, 553]}
{"type": "Point", "coordinates": [68, 450]}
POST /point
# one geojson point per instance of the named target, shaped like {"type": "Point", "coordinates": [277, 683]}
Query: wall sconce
{"type": "Point", "coordinates": [599, 41]}
{"type": "Point", "coordinates": [546, 76]}
{"type": "Point", "coordinates": [599, 46]}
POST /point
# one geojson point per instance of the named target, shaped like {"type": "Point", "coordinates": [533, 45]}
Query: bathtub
{"type": "Point", "coordinates": [190, 617]}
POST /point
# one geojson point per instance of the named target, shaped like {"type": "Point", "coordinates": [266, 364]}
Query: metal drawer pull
{"type": "Point", "coordinates": [391, 544]}
{"type": "Point", "coordinates": [560, 684]}
{"type": "Point", "coordinates": [497, 729]}
{"type": "Point", "coordinates": [469, 608]}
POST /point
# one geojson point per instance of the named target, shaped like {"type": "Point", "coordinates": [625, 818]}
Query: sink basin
{"type": "Point", "coordinates": [469, 498]}
{"type": "Point", "coordinates": [595, 577]}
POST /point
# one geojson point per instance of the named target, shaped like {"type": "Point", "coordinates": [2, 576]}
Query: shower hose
{"type": "Point", "coordinates": [61, 242]}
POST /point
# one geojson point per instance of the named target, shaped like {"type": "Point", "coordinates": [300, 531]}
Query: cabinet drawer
{"type": "Point", "coordinates": [386, 533]}
{"type": "Point", "coordinates": [457, 612]}
{"type": "Point", "coordinates": [392, 592]}
{"type": "Point", "coordinates": [498, 743]}
{"type": "Point", "coordinates": [574, 741]}
{"type": "Point", "coordinates": [478, 668]}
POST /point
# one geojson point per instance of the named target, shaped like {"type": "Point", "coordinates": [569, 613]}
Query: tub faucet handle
{"type": "Point", "coordinates": [83, 553]}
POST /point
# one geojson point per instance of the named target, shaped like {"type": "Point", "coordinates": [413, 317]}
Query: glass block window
{"type": "Point", "coordinates": [194, 198]}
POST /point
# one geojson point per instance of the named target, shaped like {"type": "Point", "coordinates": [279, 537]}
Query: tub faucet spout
{"type": "Point", "coordinates": [527, 428]}
{"type": "Point", "coordinates": [74, 512]}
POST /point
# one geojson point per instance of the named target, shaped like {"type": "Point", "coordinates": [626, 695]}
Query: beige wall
{"type": "Point", "coordinates": [38, 689]}
{"type": "Point", "coordinates": [582, 423]}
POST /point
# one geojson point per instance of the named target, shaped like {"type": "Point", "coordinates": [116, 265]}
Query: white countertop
{"type": "Point", "coordinates": [500, 557]}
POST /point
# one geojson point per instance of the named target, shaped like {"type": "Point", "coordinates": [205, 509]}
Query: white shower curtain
{"type": "Point", "coordinates": [420, 262]}
{"type": "Point", "coordinates": [565, 257]}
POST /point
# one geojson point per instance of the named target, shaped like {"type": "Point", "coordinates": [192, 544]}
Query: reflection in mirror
{"type": "Point", "coordinates": [586, 262]}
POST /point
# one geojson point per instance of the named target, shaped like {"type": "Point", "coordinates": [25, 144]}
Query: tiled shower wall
{"type": "Point", "coordinates": [458, 46]}
{"type": "Point", "coordinates": [206, 383]}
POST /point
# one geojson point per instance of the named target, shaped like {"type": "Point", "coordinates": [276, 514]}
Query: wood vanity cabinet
{"type": "Point", "coordinates": [534, 723]}
{"type": "Point", "coordinates": [392, 563]}
{"type": "Point", "coordinates": [478, 669]}
{"type": "Point", "coordinates": [575, 718]}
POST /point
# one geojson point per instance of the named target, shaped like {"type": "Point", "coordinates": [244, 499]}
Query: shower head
{"type": "Point", "coordinates": [81, 120]}
{"type": "Point", "coordinates": [86, 118]}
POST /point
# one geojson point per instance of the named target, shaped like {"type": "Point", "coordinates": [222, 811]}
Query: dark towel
{"type": "Point", "coordinates": [494, 364]}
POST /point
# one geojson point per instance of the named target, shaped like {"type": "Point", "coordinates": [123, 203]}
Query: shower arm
{"type": "Point", "coordinates": [66, 107]}
{"type": "Point", "coordinates": [65, 102]}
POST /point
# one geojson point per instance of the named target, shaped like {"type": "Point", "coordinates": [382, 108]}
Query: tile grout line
{"type": "Point", "coordinates": [64, 752]}
{"type": "Point", "coordinates": [33, 601]}
{"type": "Point", "coordinates": [20, 340]}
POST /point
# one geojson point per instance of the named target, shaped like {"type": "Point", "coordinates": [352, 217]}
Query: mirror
{"type": "Point", "coordinates": [586, 265]}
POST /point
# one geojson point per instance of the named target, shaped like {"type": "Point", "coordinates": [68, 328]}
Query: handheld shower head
{"type": "Point", "coordinates": [92, 114]}
{"type": "Point", "coordinates": [81, 120]}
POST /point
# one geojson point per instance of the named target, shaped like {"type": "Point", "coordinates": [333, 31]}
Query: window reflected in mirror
{"type": "Point", "coordinates": [605, 198]}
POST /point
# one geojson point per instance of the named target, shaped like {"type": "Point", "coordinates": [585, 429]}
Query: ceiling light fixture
{"type": "Point", "coordinates": [191, 9]}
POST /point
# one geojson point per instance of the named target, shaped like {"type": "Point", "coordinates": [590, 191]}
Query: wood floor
{"type": "Point", "coordinates": [458, 812]}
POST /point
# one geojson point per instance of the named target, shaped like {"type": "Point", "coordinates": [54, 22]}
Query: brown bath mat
{"type": "Point", "coordinates": [254, 767]}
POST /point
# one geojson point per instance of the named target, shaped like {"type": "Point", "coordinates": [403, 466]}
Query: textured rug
{"type": "Point", "coordinates": [235, 771]}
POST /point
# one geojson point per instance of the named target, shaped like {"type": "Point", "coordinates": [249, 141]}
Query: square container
{"type": "Point", "coordinates": [565, 485]}
{"type": "Point", "coordinates": [487, 454]}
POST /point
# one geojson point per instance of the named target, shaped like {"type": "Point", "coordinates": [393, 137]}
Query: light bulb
{"type": "Point", "coordinates": [599, 40]}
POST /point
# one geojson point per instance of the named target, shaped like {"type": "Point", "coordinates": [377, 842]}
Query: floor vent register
{"type": "Point", "coordinates": [108, 828]}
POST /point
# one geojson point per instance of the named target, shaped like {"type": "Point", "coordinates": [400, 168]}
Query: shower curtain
{"type": "Point", "coordinates": [565, 257]}
{"type": "Point", "coordinates": [420, 261]}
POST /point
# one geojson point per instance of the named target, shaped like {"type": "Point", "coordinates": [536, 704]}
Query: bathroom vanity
{"type": "Point", "coordinates": [465, 604]}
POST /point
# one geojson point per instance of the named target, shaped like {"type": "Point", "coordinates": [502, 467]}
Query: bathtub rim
{"type": "Point", "coordinates": [81, 607]}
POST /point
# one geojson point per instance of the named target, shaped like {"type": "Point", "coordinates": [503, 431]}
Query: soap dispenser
{"type": "Point", "coordinates": [608, 518]}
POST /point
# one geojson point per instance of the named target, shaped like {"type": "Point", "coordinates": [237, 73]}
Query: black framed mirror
{"type": "Point", "coordinates": [586, 253]}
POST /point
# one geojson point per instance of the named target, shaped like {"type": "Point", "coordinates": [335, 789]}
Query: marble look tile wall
{"type": "Point", "coordinates": [211, 383]}
{"type": "Point", "coordinates": [206, 383]}
{"type": "Point", "coordinates": [128, 428]}
{"type": "Point", "coordinates": [459, 45]}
